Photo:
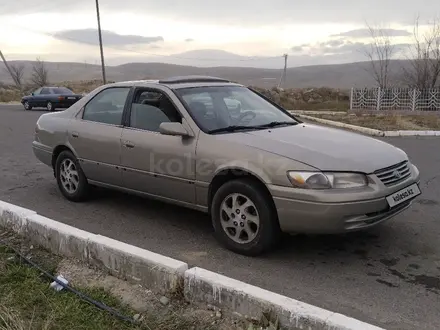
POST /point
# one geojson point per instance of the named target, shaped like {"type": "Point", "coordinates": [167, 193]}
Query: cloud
{"type": "Point", "coordinates": [90, 37]}
{"type": "Point", "coordinates": [297, 48]}
{"type": "Point", "coordinates": [275, 12]}
{"type": "Point", "coordinates": [342, 47]}
{"type": "Point", "coordinates": [339, 47]}
{"type": "Point", "coordinates": [189, 40]}
{"type": "Point", "coordinates": [365, 33]}
{"type": "Point", "coordinates": [332, 43]}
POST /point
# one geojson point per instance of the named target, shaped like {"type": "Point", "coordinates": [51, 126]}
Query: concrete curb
{"type": "Point", "coordinates": [163, 275]}
{"type": "Point", "coordinates": [202, 286]}
{"type": "Point", "coordinates": [159, 273]}
{"type": "Point", "coordinates": [317, 112]}
{"type": "Point", "coordinates": [366, 130]}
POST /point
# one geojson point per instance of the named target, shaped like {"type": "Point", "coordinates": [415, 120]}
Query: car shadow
{"type": "Point", "coordinates": [358, 245]}
{"type": "Point", "coordinates": [38, 110]}
{"type": "Point", "coordinates": [176, 216]}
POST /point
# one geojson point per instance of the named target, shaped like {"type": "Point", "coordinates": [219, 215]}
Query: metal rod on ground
{"type": "Point", "coordinates": [100, 43]}
{"type": "Point", "coordinates": [9, 69]}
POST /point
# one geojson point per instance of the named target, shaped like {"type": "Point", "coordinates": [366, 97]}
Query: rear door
{"type": "Point", "coordinates": [96, 135]}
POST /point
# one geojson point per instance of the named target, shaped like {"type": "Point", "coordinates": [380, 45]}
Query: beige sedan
{"type": "Point", "coordinates": [222, 148]}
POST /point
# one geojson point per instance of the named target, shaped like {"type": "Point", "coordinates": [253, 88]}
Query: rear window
{"type": "Point", "coordinates": [62, 90]}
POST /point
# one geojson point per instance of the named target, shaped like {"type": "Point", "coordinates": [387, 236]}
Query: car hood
{"type": "Point", "coordinates": [327, 149]}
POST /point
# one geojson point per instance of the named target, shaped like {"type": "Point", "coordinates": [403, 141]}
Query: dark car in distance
{"type": "Point", "coordinates": [51, 98]}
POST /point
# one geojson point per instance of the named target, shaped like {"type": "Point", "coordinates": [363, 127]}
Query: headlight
{"type": "Point", "coordinates": [321, 180]}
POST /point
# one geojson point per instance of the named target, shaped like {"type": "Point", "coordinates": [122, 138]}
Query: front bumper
{"type": "Point", "coordinates": [324, 217]}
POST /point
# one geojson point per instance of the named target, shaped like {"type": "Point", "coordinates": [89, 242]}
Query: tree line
{"type": "Point", "coordinates": [39, 77]}
{"type": "Point", "coordinates": [421, 69]}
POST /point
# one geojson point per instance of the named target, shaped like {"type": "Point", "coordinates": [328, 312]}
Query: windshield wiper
{"type": "Point", "coordinates": [278, 123]}
{"type": "Point", "coordinates": [234, 128]}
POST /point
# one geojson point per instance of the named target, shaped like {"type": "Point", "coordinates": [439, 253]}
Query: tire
{"type": "Point", "coordinates": [50, 106]}
{"type": "Point", "coordinates": [262, 239]}
{"type": "Point", "coordinates": [27, 106]}
{"type": "Point", "coordinates": [77, 178]}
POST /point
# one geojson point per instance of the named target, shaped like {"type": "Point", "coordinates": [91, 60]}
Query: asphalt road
{"type": "Point", "coordinates": [389, 276]}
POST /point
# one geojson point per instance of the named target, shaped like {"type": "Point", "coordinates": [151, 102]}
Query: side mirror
{"type": "Point", "coordinates": [32, 93]}
{"type": "Point", "coordinates": [175, 129]}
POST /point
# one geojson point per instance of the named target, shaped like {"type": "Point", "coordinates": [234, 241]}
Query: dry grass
{"type": "Point", "coordinates": [388, 122]}
{"type": "Point", "coordinates": [316, 106]}
{"type": "Point", "coordinates": [9, 95]}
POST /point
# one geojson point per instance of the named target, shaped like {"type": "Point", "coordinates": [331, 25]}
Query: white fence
{"type": "Point", "coordinates": [395, 99]}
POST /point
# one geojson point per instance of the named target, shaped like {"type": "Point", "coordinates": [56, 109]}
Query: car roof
{"type": "Point", "coordinates": [54, 87]}
{"type": "Point", "coordinates": [181, 82]}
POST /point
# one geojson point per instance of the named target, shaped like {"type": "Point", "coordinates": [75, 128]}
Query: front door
{"type": "Point", "coordinates": [96, 136]}
{"type": "Point", "coordinates": [33, 101]}
{"type": "Point", "coordinates": [156, 164]}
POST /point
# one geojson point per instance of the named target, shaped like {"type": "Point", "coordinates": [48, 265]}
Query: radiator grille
{"type": "Point", "coordinates": [394, 174]}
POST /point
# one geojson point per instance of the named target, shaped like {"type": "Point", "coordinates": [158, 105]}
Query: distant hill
{"type": "Point", "coordinates": [336, 76]}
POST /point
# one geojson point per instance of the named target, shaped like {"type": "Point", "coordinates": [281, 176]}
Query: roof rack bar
{"type": "Point", "coordinates": [191, 79]}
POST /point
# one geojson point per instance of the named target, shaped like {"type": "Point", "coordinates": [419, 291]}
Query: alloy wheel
{"type": "Point", "coordinates": [69, 176]}
{"type": "Point", "coordinates": [239, 218]}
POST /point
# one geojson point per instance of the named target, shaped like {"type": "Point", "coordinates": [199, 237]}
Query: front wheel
{"type": "Point", "coordinates": [27, 106]}
{"type": "Point", "coordinates": [244, 218]}
{"type": "Point", "coordinates": [70, 178]}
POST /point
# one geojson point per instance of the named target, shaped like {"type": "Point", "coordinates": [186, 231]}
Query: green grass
{"type": "Point", "coordinates": [27, 303]}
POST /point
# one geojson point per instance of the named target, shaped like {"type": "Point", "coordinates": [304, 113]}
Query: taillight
{"type": "Point", "coordinates": [60, 98]}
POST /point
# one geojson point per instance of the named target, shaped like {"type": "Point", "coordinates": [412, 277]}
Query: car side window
{"type": "Point", "coordinates": [107, 106]}
{"type": "Point", "coordinates": [150, 109]}
{"type": "Point", "coordinates": [45, 91]}
{"type": "Point", "coordinates": [38, 91]}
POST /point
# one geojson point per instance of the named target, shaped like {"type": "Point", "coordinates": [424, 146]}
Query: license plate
{"type": "Point", "coordinates": [72, 98]}
{"type": "Point", "coordinates": [403, 195]}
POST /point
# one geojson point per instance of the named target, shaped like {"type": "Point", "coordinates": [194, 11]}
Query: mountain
{"type": "Point", "coordinates": [208, 58]}
{"type": "Point", "coordinates": [335, 76]}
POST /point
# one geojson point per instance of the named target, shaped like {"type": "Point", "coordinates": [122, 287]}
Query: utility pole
{"type": "Point", "coordinates": [100, 43]}
{"type": "Point", "coordinates": [9, 69]}
{"type": "Point", "coordinates": [284, 75]}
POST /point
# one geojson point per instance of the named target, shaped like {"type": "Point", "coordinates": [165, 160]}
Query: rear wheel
{"type": "Point", "coordinates": [50, 106]}
{"type": "Point", "coordinates": [70, 178]}
{"type": "Point", "coordinates": [244, 218]}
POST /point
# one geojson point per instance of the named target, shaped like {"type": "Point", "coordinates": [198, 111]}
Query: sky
{"type": "Point", "coordinates": [259, 31]}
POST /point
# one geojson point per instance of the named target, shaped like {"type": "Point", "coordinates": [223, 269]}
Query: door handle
{"type": "Point", "coordinates": [129, 144]}
{"type": "Point", "coordinates": [75, 134]}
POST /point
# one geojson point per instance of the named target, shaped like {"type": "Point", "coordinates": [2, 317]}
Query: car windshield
{"type": "Point", "coordinates": [231, 108]}
{"type": "Point", "coordinates": [62, 90]}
